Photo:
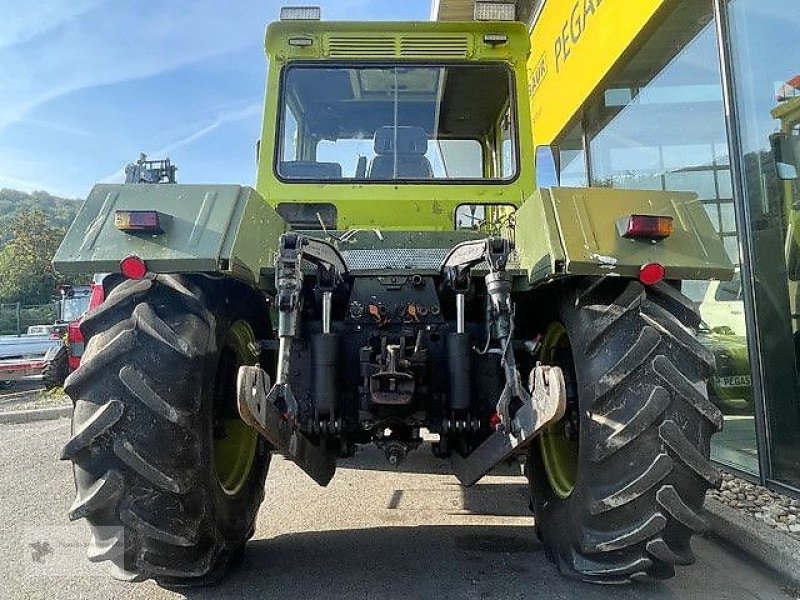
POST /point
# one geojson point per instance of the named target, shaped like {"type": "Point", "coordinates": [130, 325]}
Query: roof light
{"type": "Point", "coordinates": [495, 11]}
{"type": "Point", "coordinates": [495, 39]}
{"type": "Point", "coordinates": [302, 42]}
{"type": "Point", "coordinates": [651, 273]}
{"type": "Point", "coordinates": [646, 226]}
{"type": "Point", "coordinates": [301, 13]}
{"type": "Point", "coordinates": [133, 267]}
{"type": "Point", "coordinates": [138, 221]}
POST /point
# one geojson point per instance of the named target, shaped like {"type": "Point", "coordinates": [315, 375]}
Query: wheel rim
{"type": "Point", "coordinates": [235, 443]}
{"type": "Point", "coordinates": [559, 451]}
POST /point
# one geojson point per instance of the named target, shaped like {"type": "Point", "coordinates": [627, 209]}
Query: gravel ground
{"type": "Point", "coordinates": [776, 510]}
{"type": "Point", "coordinates": [26, 396]}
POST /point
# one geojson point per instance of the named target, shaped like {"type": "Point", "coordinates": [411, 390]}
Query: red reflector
{"type": "Point", "coordinates": [651, 273]}
{"type": "Point", "coordinates": [494, 421]}
{"type": "Point", "coordinates": [647, 226]}
{"type": "Point", "coordinates": [133, 267]}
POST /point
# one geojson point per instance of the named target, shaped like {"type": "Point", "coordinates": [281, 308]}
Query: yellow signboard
{"type": "Point", "coordinates": [575, 43]}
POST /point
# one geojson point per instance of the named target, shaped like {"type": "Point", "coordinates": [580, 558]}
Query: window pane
{"type": "Point", "coordinates": [381, 123]}
{"type": "Point", "coordinates": [665, 129]}
{"type": "Point", "coordinates": [290, 136]}
{"type": "Point", "coordinates": [765, 45]}
{"type": "Point", "coordinates": [573, 158]}
{"type": "Point", "coordinates": [456, 159]}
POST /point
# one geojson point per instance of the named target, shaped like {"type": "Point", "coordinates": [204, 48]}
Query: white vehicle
{"type": "Point", "coordinates": [25, 346]}
{"type": "Point", "coordinates": [41, 330]}
{"type": "Point", "coordinates": [24, 356]}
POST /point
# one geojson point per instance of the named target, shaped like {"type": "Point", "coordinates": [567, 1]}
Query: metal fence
{"type": "Point", "coordinates": [16, 318]}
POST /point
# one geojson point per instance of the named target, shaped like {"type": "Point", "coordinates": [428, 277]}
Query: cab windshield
{"type": "Point", "coordinates": [388, 123]}
{"type": "Point", "coordinates": [74, 307]}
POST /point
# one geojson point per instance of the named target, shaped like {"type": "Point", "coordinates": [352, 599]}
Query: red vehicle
{"type": "Point", "coordinates": [15, 369]}
{"type": "Point", "coordinates": [75, 302]}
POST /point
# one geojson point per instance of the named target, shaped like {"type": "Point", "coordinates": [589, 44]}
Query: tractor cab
{"type": "Point", "coordinates": [430, 117]}
{"type": "Point", "coordinates": [73, 302]}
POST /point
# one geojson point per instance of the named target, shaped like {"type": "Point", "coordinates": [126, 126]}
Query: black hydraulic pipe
{"type": "Point", "coordinates": [326, 358]}
{"type": "Point", "coordinates": [458, 362]}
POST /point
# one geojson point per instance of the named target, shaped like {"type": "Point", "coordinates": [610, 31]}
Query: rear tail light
{"type": "Point", "coordinates": [647, 226]}
{"type": "Point", "coordinates": [133, 267]}
{"type": "Point", "coordinates": [74, 333]}
{"type": "Point", "coordinates": [138, 221]}
{"type": "Point", "coordinates": [97, 297]}
{"type": "Point", "coordinates": [494, 421]}
{"type": "Point", "coordinates": [651, 273]}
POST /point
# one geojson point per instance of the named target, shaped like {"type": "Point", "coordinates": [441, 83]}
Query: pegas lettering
{"type": "Point", "coordinates": [573, 29]}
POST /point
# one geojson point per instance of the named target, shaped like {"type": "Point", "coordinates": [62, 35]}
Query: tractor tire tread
{"type": "Point", "coordinates": [147, 468]}
{"type": "Point", "coordinates": [137, 445]}
{"type": "Point", "coordinates": [654, 407]}
{"type": "Point", "coordinates": [100, 496]}
{"type": "Point", "coordinates": [646, 424]}
{"type": "Point", "coordinates": [99, 423]}
{"type": "Point", "coordinates": [55, 372]}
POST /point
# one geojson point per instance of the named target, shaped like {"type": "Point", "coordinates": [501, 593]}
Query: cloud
{"type": "Point", "coordinates": [31, 18]}
{"type": "Point", "coordinates": [75, 76]}
{"type": "Point", "coordinates": [253, 110]}
{"type": "Point", "coordinates": [106, 45]}
{"type": "Point", "coordinates": [58, 127]}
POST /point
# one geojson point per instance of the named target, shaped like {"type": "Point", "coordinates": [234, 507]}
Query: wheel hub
{"type": "Point", "coordinates": [559, 442]}
{"type": "Point", "coordinates": [235, 442]}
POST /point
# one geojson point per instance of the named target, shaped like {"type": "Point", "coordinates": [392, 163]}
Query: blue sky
{"type": "Point", "coordinates": [86, 85]}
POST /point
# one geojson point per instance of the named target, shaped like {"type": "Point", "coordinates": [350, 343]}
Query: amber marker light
{"type": "Point", "coordinates": [138, 221]}
{"type": "Point", "coordinates": [651, 227]}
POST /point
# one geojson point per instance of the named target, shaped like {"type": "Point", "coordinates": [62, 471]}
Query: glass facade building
{"type": "Point", "coordinates": [708, 101]}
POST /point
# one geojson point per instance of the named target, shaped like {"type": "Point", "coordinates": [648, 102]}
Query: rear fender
{"type": "Point", "coordinates": [226, 229]}
{"type": "Point", "coordinates": [573, 231]}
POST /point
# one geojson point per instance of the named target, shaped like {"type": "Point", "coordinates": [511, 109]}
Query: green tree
{"type": "Point", "coordinates": [59, 211]}
{"type": "Point", "coordinates": [26, 270]}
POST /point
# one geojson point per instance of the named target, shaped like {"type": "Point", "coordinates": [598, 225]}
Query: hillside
{"type": "Point", "coordinates": [59, 211]}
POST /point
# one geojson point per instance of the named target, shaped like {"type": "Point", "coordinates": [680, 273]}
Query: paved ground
{"type": "Point", "coordinates": [371, 534]}
{"type": "Point", "coordinates": [28, 394]}
{"type": "Point", "coordinates": [10, 389]}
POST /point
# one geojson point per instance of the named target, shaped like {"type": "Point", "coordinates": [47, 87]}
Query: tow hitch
{"type": "Point", "coordinates": [546, 404]}
{"type": "Point", "coordinates": [272, 410]}
{"type": "Point", "coordinates": [261, 413]}
{"type": "Point", "coordinates": [522, 413]}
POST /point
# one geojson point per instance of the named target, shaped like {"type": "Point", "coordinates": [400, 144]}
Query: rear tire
{"type": "Point", "coordinates": [617, 490]}
{"type": "Point", "coordinates": [56, 370]}
{"type": "Point", "coordinates": [154, 407]}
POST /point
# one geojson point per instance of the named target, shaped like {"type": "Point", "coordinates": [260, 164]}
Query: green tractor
{"type": "Point", "coordinates": [786, 154]}
{"type": "Point", "coordinates": [394, 270]}
{"type": "Point", "coordinates": [730, 389]}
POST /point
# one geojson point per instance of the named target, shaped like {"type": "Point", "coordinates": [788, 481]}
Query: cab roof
{"type": "Point", "coordinates": [382, 40]}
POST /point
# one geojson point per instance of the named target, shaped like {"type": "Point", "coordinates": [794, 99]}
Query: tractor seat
{"type": "Point", "coordinates": [411, 144]}
{"type": "Point", "coordinates": [308, 169]}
